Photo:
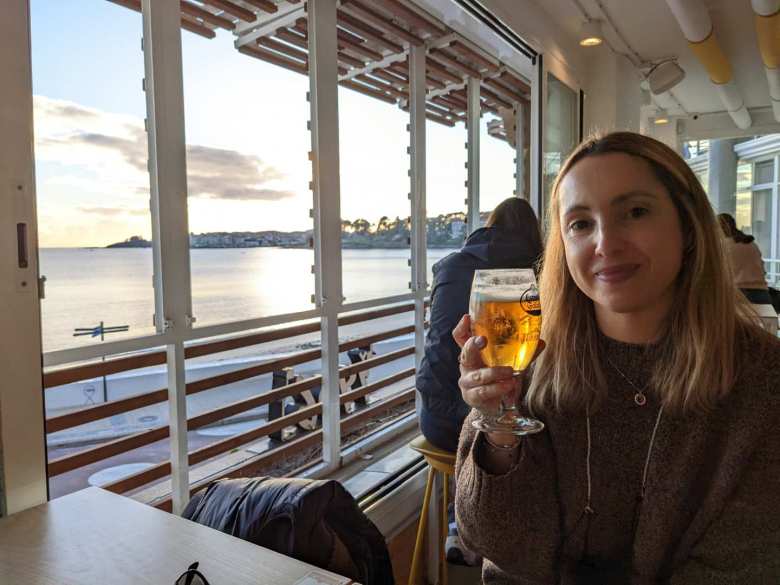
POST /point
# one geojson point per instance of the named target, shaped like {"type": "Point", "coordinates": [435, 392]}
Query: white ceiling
{"type": "Point", "coordinates": [652, 31]}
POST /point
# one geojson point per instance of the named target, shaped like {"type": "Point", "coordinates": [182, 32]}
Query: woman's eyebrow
{"type": "Point", "coordinates": [618, 200]}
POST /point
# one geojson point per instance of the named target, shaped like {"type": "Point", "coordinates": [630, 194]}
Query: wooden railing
{"type": "Point", "coordinates": [146, 437]}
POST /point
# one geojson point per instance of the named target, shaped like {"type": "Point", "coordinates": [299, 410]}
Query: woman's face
{"type": "Point", "coordinates": [622, 235]}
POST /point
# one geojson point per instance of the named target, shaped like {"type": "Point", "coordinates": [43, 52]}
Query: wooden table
{"type": "Point", "coordinates": [95, 537]}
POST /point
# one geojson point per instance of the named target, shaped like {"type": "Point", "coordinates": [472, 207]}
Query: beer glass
{"type": "Point", "coordinates": [505, 310]}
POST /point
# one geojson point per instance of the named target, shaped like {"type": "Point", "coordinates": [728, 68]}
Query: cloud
{"type": "Point", "coordinates": [114, 211]}
{"type": "Point", "coordinates": [114, 148]}
{"type": "Point", "coordinates": [227, 174]}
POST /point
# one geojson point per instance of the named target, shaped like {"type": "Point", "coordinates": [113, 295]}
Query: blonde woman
{"type": "Point", "coordinates": [660, 460]}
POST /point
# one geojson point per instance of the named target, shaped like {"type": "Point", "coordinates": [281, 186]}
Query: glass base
{"type": "Point", "coordinates": [512, 425]}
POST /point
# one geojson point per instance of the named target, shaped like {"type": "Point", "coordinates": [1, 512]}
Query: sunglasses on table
{"type": "Point", "coordinates": [192, 576]}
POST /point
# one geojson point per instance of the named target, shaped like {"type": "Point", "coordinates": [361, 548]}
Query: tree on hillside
{"type": "Point", "coordinates": [361, 226]}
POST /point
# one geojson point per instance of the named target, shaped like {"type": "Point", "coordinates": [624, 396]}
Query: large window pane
{"type": "Point", "coordinates": [375, 207]}
{"type": "Point", "coordinates": [496, 164]}
{"type": "Point", "coordinates": [765, 172]}
{"type": "Point", "coordinates": [761, 220]}
{"type": "Point", "coordinates": [744, 195]}
{"type": "Point", "coordinates": [445, 167]}
{"type": "Point", "coordinates": [248, 183]}
{"type": "Point", "coordinates": [91, 171]}
{"type": "Point", "coordinates": [560, 128]}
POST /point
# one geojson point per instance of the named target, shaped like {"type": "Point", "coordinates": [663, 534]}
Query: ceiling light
{"type": "Point", "coordinates": [664, 76]}
{"type": "Point", "coordinates": [590, 33]}
{"type": "Point", "coordinates": [661, 118]}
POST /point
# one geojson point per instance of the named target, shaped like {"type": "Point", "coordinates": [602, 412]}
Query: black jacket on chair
{"type": "Point", "coordinates": [315, 521]}
{"type": "Point", "coordinates": [437, 379]}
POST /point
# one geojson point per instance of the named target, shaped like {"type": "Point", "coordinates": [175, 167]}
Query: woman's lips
{"type": "Point", "coordinates": [616, 274]}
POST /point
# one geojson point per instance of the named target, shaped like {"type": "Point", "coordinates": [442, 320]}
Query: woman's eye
{"type": "Point", "coordinates": [578, 225]}
{"type": "Point", "coordinates": [637, 212]}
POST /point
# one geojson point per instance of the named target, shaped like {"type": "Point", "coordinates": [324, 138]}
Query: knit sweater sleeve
{"type": "Point", "coordinates": [513, 519]}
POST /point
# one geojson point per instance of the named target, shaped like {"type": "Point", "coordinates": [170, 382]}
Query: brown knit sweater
{"type": "Point", "coordinates": [711, 511]}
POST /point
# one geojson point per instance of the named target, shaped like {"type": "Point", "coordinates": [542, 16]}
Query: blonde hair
{"type": "Point", "coordinates": [697, 363]}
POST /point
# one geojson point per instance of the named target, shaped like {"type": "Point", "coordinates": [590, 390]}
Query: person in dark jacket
{"type": "Point", "coordinates": [510, 239]}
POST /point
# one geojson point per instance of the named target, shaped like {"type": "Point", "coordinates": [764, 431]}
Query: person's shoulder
{"type": "Point", "coordinates": [457, 261]}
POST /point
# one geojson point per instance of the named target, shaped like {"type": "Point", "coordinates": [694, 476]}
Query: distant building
{"type": "Point", "coordinates": [457, 228]}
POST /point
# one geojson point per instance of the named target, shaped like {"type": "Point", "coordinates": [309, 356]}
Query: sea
{"type": "Point", "coordinates": [87, 286]}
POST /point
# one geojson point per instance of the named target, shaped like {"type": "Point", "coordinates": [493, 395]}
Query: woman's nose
{"type": "Point", "coordinates": [609, 240]}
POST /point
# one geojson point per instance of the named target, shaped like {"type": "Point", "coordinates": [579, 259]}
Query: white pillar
{"type": "Point", "coordinates": [417, 91]}
{"type": "Point", "coordinates": [520, 170]}
{"type": "Point", "coordinates": [168, 175]}
{"type": "Point", "coordinates": [22, 433]}
{"type": "Point", "coordinates": [722, 181]}
{"type": "Point", "coordinates": [536, 145]}
{"type": "Point", "coordinates": [473, 115]}
{"type": "Point", "coordinates": [323, 97]}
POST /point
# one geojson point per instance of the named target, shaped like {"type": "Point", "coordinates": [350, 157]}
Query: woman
{"type": "Point", "coordinates": [747, 266]}
{"type": "Point", "coordinates": [660, 460]}
{"type": "Point", "coordinates": [744, 257]}
{"type": "Point", "coordinates": [510, 239]}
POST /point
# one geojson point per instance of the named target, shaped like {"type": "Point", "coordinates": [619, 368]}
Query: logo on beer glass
{"type": "Point", "coordinates": [529, 302]}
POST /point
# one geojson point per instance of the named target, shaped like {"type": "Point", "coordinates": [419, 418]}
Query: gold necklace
{"type": "Point", "coordinates": [639, 398]}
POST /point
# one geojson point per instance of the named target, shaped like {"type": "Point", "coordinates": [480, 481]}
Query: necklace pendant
{"type": "Point", "coordinates": [640, 399]}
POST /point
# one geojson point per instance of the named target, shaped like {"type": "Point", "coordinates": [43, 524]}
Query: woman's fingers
{"type": "Point", "coordinates": [470, 356]}
{"type": "Point", "coordinates": [484, 387]}
{"type": "Point", "coordinates": [462, 331]}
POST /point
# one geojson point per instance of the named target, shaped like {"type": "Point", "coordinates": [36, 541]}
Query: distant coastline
{"type": "Point", "coordinates": [443, 231]}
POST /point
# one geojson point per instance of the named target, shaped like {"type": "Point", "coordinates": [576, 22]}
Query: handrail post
{"type": "Point", "coordinates": [168, 175]}
{"type": "Point", "coordinates": [417, 98]}
{"type": "Point", "coordinates": [323, 98]}
{"type": "Point", "coordinates": [473, 114]}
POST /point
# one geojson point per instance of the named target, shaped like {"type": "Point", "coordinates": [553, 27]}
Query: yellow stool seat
{"type": "Point", "coordinates": [443, 462]}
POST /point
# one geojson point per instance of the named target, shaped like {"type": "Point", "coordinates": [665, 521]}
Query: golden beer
{"type": "Point", "coordinates": [511, 328]}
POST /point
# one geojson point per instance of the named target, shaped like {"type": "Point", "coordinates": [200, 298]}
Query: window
{"type": "Point", "coordinates": [744, 195]}
{"type": "Point", "coordinates": [248, 183]}
{"type": "Point", "coordinates": [91, 173]}
{"type": "Point", "coordinates": [445, 190]}
{"type": "Point", "coordinates": [560, 138]}
{"type": "Point", "coordinates": [496, 163]}
{"type": "Point", "coordinates": [764, 172]}
{"type": "Point", "coordinates": [374, 197]}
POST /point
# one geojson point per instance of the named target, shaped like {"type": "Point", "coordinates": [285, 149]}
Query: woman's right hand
{"type": "Point", "coordinates": [480, 386]}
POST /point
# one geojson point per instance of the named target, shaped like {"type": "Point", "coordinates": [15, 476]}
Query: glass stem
{"type": "Point", "coordinates": [508, 405]}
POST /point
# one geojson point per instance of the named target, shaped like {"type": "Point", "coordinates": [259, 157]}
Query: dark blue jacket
{"type": "Point", "coordinates": [437, 378]}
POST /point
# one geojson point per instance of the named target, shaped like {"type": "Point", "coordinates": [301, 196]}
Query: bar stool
{"type": "Point", "coordinates": [444, 463]}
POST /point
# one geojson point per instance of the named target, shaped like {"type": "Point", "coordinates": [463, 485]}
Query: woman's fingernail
{"type": "Point", "coordinates": [479, 342]}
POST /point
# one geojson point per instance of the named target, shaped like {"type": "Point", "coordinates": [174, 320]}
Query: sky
{"type": "Point", "coordinates": [247, 141]}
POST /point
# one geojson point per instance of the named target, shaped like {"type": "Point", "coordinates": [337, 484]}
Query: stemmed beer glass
{"type": "Point", "coordinates": [505, 310]}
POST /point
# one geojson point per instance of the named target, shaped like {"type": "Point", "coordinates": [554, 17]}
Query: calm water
{"type": "Point", "coordinates": [87, 285]}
